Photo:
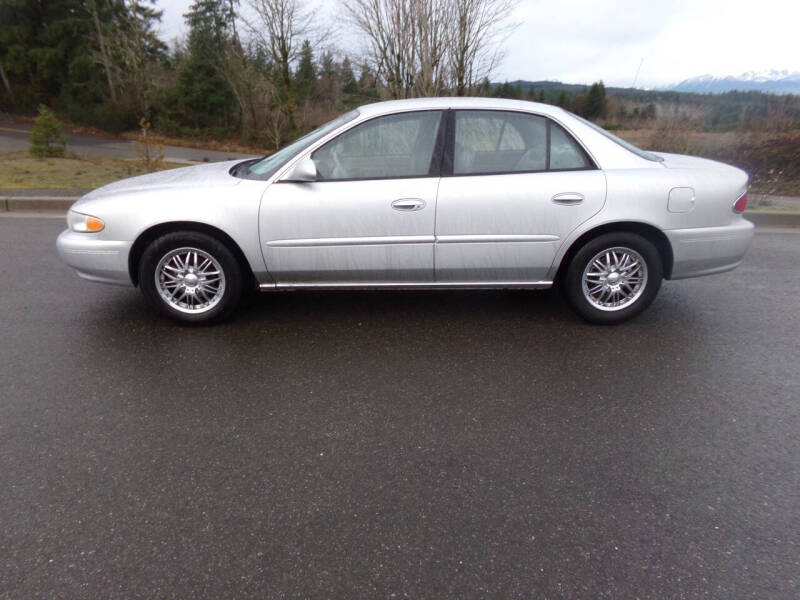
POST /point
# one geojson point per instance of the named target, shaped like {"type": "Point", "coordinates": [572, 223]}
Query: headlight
{"type": "Point", "coordinates": [84, 223]}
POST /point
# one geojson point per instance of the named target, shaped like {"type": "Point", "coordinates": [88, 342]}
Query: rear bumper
{"type": "Point", "coordinates": [708, 250]}
{"type": "Point", "coordinates": [96, 260]}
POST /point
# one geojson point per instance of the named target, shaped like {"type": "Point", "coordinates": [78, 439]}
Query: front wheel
{"type": "Point", "coordinates": [613, 277]}
{"type": "Point", "coordinates": [191, 277]}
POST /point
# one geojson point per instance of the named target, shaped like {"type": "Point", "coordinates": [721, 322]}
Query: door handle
{"type": "Point", "coordinates": [568, 198]}
{"type": "Point", "coordinates": [408, 204]}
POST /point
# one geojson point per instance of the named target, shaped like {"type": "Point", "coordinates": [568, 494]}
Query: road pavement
{"type": "Point", "coordinates": [17, 137]}
{"type": "Point", "coordinates": [399, 445]}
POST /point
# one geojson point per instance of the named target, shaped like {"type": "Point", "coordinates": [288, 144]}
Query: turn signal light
{"type": "Point", "coordinates": [94, 224]}
{"type": "Point", "coordinates": [741, 203]}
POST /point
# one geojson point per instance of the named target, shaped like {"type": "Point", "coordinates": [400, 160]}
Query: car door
{"type": "Point", "coordinates": [515, 184]}
{"type": "Point", "coordinates": [369, 216]}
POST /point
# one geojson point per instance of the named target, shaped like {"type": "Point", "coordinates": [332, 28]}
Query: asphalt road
{"type": "Point", "coordinates": [399, 445]}
{"type": "Point", "coordinates": [17, 137]}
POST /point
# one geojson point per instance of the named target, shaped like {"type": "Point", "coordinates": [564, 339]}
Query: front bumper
{"type": "Point", "coordinates": [95, 259]}
{"type": "Point", "coordinates": [708, 250]}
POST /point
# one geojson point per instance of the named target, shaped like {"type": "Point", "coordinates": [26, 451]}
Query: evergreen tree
{"type": "Point", "coordinates": [38, 43]}
{"type": "Point", "coordinates": [578, 104]}
{"type": "Point", "coordinates": [305, 78]}
{"type": "Point", "coordinates": [596, 101]}
{"type": "Point", "coordinates": [347, 77]}
{"type": "Point", "coordinates": [367, 83]}
{"type": "Point", "coordinates": [47, 139]}
{"type": "Point", "coordinates": [506, 90]}
{"type": "Point", "coordinates": [204, 95]}
{"type": "Point", "coordinates": [328, 83]}
{"type": "Point", "coordinates": [484, 88]}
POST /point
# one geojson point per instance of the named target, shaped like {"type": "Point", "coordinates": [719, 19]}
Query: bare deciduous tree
{"type": "Point", "coordinates": [431, 23]}
{"type": "Point", "coordinates": [137, 52]}
{"type": "Point", "coordinates": [478, 28]}
{"type": "Point", "coordinates": [280, 26]}
{"type": "Point", "coordinates": [105, 56]}
{"type": "Point", "coordinates": [389, 28]}
{"type": "Point", "coordinates": [252, 88]}
{"type": "Point", "coordinates": [6, 83]}
{"type": "Point", "coordinates": [421, 47]}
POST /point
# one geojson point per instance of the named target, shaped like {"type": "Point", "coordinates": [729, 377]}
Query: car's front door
{"type": "Point", "coordinates": [369, 216]}
{"type": "Point", "coordinates": [517, 185]}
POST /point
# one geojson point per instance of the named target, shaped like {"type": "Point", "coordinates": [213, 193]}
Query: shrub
{"type": "Point", "coordinates": [150, 155]}
{"type": "Point", "coordinates": [673, 136]}
{"type": "Point", "coordinates": [114, 118]}
{"type": "Point", "coordinates": [47, 139]}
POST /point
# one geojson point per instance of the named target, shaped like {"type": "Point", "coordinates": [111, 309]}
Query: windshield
{"type": "Point", "coordinates": [267, 166]}
{"type": "Point", "coordinates": [627, 145]}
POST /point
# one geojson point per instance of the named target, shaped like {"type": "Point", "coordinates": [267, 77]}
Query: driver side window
{"type": "Point", "coordinates": [393, 146]}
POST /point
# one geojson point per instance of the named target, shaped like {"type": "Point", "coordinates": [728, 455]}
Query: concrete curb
{"type": "Point", "coordinates": [60, 204]}
{"type": "Point", "coordinates": [764, 218]}
{"type": "Point", "coordinates": [36, 203]}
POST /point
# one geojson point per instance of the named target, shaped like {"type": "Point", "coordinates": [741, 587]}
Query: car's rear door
{"type": "Point", "coordinates": [516, 185]}
{"type": "Point", "coordinates": [369, 218]}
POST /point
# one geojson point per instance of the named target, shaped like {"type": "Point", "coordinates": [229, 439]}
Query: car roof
{"type": "Point", "coordinates": [389, 106]}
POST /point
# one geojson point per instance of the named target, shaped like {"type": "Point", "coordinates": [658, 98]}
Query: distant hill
{"type": "Point", "coordinates": [570, 88]}
{"type": "Point", "coordinates": [770, 82]}
{"type": "Point", "coordinates": [551, 89]}
{"type": "Point", "coordinates": [773, 82]}
{"type": "Point", "coordinates": [545, 85]}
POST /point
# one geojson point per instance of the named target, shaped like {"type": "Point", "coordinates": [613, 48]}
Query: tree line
{"type": "Point", "coordinates": [266, 70]}
{"type": "Point", "coordinates": [269, 70]}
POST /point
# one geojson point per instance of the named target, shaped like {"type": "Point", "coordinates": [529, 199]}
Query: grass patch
{"type": "Point", "coordinates": [198, 141]}
{"type": "Point", "coordinates": [19, 171]}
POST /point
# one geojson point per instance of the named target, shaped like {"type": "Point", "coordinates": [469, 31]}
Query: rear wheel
{"type": "Point", "coordinates": [191, 277]}
{"type": "Point", "coordinates": [613, 277]}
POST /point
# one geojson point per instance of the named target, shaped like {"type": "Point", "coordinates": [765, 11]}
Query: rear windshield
{"type": "Point", "coordinates": [627, 145]}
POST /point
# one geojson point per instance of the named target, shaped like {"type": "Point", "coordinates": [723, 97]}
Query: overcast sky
{"type": "Point", "coordinates": [580, 41]}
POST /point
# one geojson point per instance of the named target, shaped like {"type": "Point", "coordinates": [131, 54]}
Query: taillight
{"type": "Point", "coordinates": [741, 203]}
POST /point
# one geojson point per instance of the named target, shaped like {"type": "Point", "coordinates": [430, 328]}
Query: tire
{"type": "Point", "coordinates": [613, 277]}
{"type": "Point", "coordinates": [191, 277]}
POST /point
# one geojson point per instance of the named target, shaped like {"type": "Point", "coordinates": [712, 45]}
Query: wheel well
{"type": "Point", "coordinates": [149, 235]}
{"type": "Point", "coordinates": [650, 233]}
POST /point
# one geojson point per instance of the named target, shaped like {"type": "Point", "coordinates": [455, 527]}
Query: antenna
{"type": "Point", "coordinates": [636, 78]}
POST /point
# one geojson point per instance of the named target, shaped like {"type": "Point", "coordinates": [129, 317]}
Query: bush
{"type": "Point", "coordinates": [47, 139]}
{"type": "Point", "coordinates": [114, 118]}
{"type": "Point", "coordinates": [771, 158]}
{"type": "Point", "coordinates": [673, 136]}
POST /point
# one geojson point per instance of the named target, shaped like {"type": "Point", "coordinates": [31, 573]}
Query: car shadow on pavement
{"type": "Point", "coordinates": [540, 304]}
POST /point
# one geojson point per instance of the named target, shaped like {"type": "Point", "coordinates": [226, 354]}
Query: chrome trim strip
{"type": "Point", "coordinates": [399, 285]}
{"type": "Point", "coordinates": [352, 241]}
{"type": "Point", "coordinates": [78, 251]}
{"type": "Point", "coordinates": [480, 238]}
{"type": "Point", "coordinates": [410, 239]}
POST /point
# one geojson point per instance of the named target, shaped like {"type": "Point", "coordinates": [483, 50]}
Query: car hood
{"type": "Point", "coordinates": [200, 176]}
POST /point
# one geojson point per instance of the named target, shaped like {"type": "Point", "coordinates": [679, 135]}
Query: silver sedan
{"type": "Point", "coordinates": [428, 193]}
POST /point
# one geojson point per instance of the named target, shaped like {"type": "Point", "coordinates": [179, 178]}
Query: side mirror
{"type": "Point", "coordinates": [303, 171]}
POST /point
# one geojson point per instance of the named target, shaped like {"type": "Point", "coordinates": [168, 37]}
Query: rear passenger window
{"type": "Point", "coordinates": [564, 151]}
{"type": "Point", "coordinates": [511, 142]}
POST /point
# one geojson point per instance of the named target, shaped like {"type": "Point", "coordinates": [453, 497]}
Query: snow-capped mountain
{"type": "Point", "coordinates": [772, 81]}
